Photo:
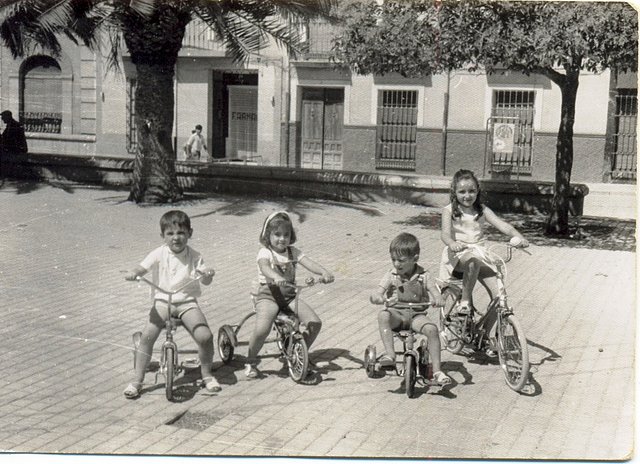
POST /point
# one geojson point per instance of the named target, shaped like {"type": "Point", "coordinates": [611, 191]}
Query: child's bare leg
{"type": "Point", "coordinates": [143, 354]}
{"type": "Point", "coordinates": [196, 323]}
{"type": "Point", "coordinates": [471, 269]}
{"type": "Point", "coordinates": [308, 316]}
{"type": "Point", "coordinates": [490, 283]}
{"type": "Point", "coordinates": [429, 330]}
{"type": "Point", "coordinates": [266, 312]}
{"type": "Point", "coordinates": [386, 323]}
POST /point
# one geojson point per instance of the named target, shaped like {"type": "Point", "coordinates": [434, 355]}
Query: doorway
{"type": "Point", "coordinates": [227, 137]}
{"type": "Point", "coordinates": [322, 126]}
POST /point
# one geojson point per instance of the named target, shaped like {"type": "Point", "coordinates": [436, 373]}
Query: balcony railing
{"type": "Point", "coordinates": [41, 122]}
{"type": "Point", "coordinates": [199, 36]}
{"type": "Point", "coordinates": [317, 35]}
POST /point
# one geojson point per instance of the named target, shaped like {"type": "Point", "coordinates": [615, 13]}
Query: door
{"type": "Point", "coordinates": [322, 127]}
{"type": "Point", "coordinates": [243, 122]}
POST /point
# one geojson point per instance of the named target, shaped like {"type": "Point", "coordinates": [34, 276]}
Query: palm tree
{"type": "Point", "coordinates": [152, 31]}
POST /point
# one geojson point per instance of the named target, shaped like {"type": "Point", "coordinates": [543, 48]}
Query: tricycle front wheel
{"type": "Point", "coordinates": [226, 343]}
{"type": "Point", "coordinates": [297, 357]}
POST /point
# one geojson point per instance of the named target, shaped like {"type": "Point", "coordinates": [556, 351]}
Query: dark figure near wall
{"type": "Point", "coordinates": [12, 139]}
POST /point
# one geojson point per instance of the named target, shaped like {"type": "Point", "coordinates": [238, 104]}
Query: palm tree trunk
{"type": "Point", "coordinates": [558, 220]}
{"type": "Point", "coordinates": [154, 175]}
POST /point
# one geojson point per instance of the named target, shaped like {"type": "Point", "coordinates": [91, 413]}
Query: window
{"type": "Point", "coordinates": [41, 95]}
{"type": "Point", "coordinates": [132, 132]}
{"type": "Point", "coordinates": [624, 140]}
{"type": "Point", "coordinates": [512, 126]}
{"type": "Point", "coordinates": [396, 129]}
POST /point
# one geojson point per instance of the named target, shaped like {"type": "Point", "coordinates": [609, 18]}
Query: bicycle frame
{"type": "Point", "coordinates": [510, 339]}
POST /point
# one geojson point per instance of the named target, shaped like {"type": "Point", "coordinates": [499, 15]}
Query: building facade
{"type": "Point", "coordinates": [308, 112]}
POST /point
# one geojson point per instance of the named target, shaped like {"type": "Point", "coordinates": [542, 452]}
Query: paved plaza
{"type": "Point", "coordinates": [69, 315]}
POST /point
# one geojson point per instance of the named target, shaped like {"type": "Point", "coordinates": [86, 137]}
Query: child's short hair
{"type": "Point", "coordinates": [175, 218]}
{"type": "Point", "coordinates": [273, 221]}
{"type": "Point", "coordinates": [404, 244]}
{"type": "Point", "coordinates": [198, 127]}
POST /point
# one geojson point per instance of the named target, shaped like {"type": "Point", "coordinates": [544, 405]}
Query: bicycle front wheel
{"type": "Point", "coordinates": [513, 352]}
{"type": "Point", "coordinates": [170, 371]}
{"type": "Point", "coordinates": [297, 357]}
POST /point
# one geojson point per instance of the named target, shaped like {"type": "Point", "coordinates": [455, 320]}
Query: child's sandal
{"type": "Point", "coordinates": [441, 378]}
{"type": "Point", "coordinates": [250, 371]}
{"type": "Point", "coordinates": [386, 361]}
{"type": "Point", "coordinates": [211, 384]}
{"type": "Point", "coordinates": [133, 390]}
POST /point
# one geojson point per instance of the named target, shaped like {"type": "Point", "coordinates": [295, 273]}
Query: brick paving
{"type": "Point", "coordinates": [69, 316]}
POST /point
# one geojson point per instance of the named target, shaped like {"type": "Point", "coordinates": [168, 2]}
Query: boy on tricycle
{"type": "Point", "coordinates": [408, 283]}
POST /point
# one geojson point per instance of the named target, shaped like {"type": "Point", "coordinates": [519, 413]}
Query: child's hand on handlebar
{"type": "Point", "coordinates": [207, 272]}
{"type": "Point", "coordinates": [327, 278]}
{"type": "Point", "coordinates": [131, 276]}
{"type": "Point", "coordinates": [457, 247]}
{"type": "Point", "coordinates": [391, 301]}
{"type": "Point", "coordinates": [519, 242]}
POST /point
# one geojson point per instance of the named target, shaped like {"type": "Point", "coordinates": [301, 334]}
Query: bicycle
{"type": "Point", "coordinates": [416, 367]}
{"type": "Point", "coordinates": [169, 366]}
{"type": "Point", "coordinates": [288, 336]}
{"type": "Point", "coordinates": [466, 329]}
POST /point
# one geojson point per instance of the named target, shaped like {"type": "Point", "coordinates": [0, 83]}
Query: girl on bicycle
{"type": "Point", "coordinates": [277, 260]}
{"type": "Point", "coordinates": [462, 232]}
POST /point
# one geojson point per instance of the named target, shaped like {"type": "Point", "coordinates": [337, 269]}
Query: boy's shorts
{"type": "Point", "coordinates": [406, 316]}
{"type": "Point", "coordinates": [158, 313]}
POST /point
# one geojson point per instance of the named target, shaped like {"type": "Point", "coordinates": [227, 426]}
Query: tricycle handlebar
{"type": "Point", "coordinates": [173, 292]}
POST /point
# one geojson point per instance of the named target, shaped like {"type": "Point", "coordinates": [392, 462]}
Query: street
{"type": "Point", "coordinates": [69, 316]}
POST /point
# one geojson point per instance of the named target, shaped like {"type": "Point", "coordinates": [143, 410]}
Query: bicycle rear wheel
{"type": "Point", "coordinates": [297, 357]}
{"type": "Point", "coordinates": [170, 372]}
{"type": "Point", "coordinates": [453, 327]}
{"type": "Point", "coordinates": [513, 352]}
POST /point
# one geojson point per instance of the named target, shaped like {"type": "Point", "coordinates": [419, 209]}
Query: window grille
{"type": "Point", "coordinates": [515, 107]}
{"type": "Point", "coordinates": [396, 129]}
{"type": "Point", "coordinates": [624, 140]}
{"type": "Point", "coordinates": [41, 95]}
{"type": "Point", "coordinates": [132, 132]}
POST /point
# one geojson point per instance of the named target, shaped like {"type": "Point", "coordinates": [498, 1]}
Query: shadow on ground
{"type": "Point", "coordinates": [586, 231]}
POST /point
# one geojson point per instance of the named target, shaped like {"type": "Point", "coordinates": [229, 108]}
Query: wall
{"type": "Point", "coordinates": [527, 197]}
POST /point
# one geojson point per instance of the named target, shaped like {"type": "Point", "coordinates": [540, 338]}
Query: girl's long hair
{"type": "Point", "coordinates": [465, 174]}
{"type": "Point", "coordinates": [273, 222]}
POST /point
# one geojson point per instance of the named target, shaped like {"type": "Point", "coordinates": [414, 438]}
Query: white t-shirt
{"type": "Point", "coordinates": [172, 270]}
{"type": "Point", "coordinates": [195, 142]}
{"type": "Point", "coordinates": [276, 258]}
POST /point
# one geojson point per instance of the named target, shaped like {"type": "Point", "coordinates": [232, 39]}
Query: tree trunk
{"type": "Point", "coordinates": [154, 43]}
{"type": "Point", "coordinates": [154, 174]}
{"type": "Point", "coordinates": [558, 220]}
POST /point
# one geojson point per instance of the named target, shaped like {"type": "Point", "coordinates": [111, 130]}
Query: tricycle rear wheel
{"type": "Point", "coordinates": [370, 361]}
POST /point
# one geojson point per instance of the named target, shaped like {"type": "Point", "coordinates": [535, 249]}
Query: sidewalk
{"type": "Point", "coordinates": [69, 316]}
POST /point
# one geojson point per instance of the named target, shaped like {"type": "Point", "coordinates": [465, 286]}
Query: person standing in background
{"type": "Point", "coordinates": [195, 145]}
{"type": "Point", "coordinates": [12, 139]}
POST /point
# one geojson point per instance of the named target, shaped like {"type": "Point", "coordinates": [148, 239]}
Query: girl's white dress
{"type": "Point", "coordinates": [468, 229]}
